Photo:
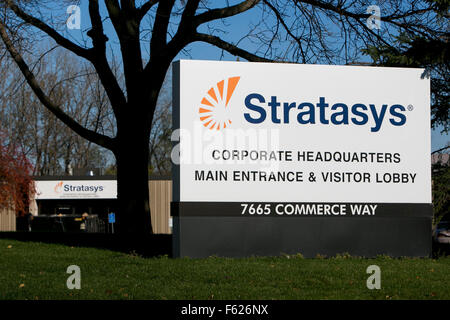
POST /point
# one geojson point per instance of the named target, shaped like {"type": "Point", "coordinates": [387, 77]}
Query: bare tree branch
{"type": "Point", "coordinates": [62, 41]}
{"type": "Point", "coordinates": [218, 42]}
{"type": "Point", "coordinates": [340, 10]}
{"type": "Point", "coordinates": [189, 22]}
{"type": "Point", "coordinates": [114, 14]}
{"type": "Point", "coordinates": [185, 30]}
{"type": "Point", "coordinates": [159, 35]}
{"type": "Point", "coordinates": [226, 12]}
{"type": "Point", "coordinates": [96, 55]}
{"type": "Point", "coordinates": [283, 23]}
{"type": "Point", "coordinates": [90, 135]}
{"type": "Point", "coordinates": [100, 62]}
{"type": "Point", "coordinates": [142, 10]}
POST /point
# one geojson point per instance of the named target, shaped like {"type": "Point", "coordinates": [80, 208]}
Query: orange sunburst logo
{"type": "Point", "coordinates": [213, 110]}
{"type": "Point", "coordinates": [58, 187]}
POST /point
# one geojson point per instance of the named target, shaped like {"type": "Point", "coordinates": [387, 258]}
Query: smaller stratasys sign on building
{"type": "Point", "coordinates": [76, 189]}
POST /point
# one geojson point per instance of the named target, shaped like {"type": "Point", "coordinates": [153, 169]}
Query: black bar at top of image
{"type": "Point", "coordinates": [234, 209]}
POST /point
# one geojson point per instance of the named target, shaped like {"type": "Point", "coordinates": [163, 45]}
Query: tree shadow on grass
{"type": "Point", "coordinates": [440, 250]}
{"type": "Point", "coordinates": [152, 245]}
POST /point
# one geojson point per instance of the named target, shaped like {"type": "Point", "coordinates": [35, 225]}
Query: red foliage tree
{"type": "Point", "coordinates": [16, 183]}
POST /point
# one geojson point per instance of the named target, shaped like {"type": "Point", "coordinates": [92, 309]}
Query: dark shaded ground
{"type": "Point", "coordinates": [146, 246]}
{"type": "Point", "coordinates": [440, 250]}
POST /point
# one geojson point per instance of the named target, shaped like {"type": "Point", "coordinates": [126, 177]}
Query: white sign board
{"type": "Point", "coordinates": [76, 189]}
{"type": "Point", "coordinates": [263, 132]}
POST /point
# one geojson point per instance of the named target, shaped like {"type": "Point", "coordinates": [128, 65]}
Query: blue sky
{"type": "Point", "coordinates": [202, 51]}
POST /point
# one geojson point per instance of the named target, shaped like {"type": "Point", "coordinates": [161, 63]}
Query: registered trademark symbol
{"type": "Point", "coordinates": [410, 107]}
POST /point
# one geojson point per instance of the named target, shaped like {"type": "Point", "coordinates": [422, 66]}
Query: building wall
{"type": "Point", "coordinates": [440, 158]}
{"type": "Point", "coordinates": [7, 220]}
{"type": "Point", "coordinates": [160, 198]}
{"type": "Point", "coordinates": [160, 189]}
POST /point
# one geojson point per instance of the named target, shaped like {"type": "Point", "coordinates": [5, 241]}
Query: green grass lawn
{"type": "Point", "coordinates": [38, 271]}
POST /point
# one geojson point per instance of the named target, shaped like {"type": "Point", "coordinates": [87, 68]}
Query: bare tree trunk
{"type": "Point", "coordinates": [132, 177]}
